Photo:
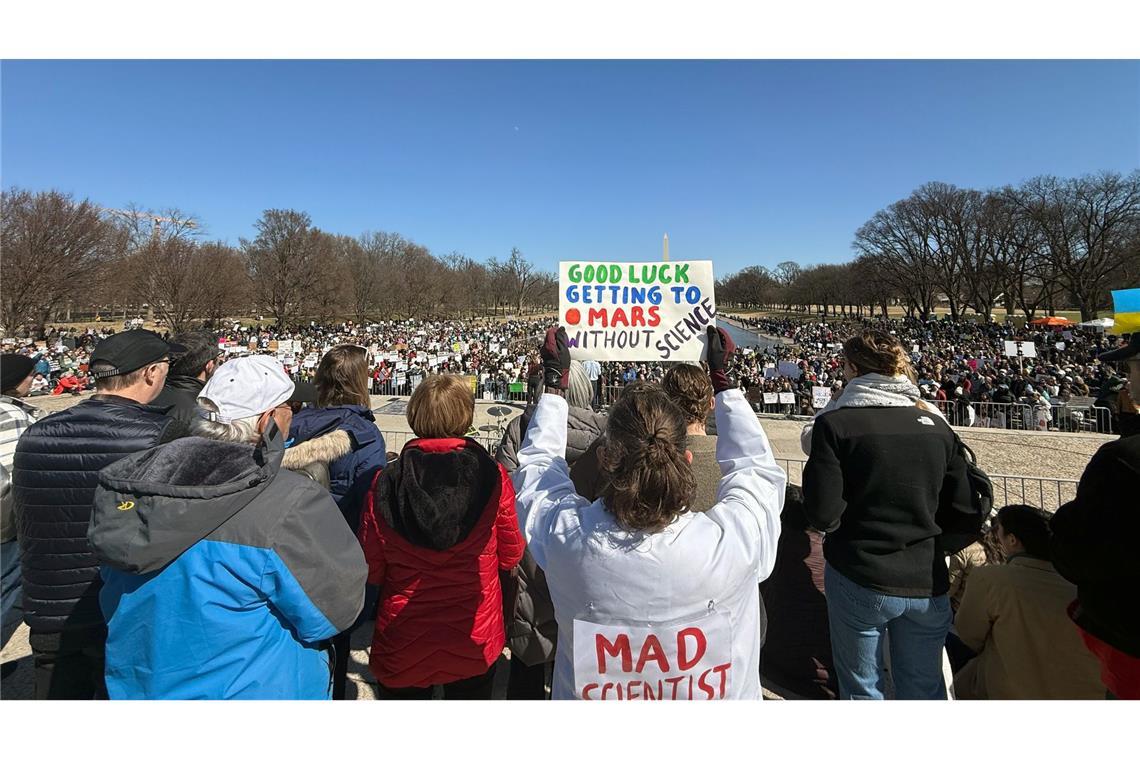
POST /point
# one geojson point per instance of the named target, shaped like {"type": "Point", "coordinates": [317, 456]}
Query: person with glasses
{"type": "Point", "coordinates": [223, 571]}
{"type": "Point", "coordinates": [55, 472]}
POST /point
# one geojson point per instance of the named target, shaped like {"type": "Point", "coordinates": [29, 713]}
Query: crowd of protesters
{"type": "Point", "coordinates": [961, 366]}
{"type": "Point", "coordinates": [210, 525]}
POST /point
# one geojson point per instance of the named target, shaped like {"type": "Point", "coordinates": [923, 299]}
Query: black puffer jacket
{"type": "Point", "coordinates": [56, 470]}
{"type": "Point", "coordinates": [180, 394]}
{"type": "Point", "coordinates": [533, 632]}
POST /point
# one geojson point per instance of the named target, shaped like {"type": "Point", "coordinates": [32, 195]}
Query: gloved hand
{"type": "Point", "coordinates": [555, 355]}
{"type": "Point", "coordinates": [721, 349]}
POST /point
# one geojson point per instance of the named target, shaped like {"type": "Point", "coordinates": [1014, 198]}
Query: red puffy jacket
{"type": "Point", "coordinates": [438, 525]}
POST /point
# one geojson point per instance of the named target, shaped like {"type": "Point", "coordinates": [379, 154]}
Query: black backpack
{"type": "Point", "coordinates": [963, 524]}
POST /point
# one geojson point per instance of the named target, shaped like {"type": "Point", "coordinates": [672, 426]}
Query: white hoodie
{"type": "Point", "coordinates": [659, 589]}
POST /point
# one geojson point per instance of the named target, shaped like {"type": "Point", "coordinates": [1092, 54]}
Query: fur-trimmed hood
{"type": "Point", "coordinates": [312, 458]}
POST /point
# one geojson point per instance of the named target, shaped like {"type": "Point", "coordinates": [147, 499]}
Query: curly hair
{"type": "Point", "coordinates": [650, 480]}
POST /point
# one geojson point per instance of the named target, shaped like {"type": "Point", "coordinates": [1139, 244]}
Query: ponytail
{"type": "Point", "coordinates": [650, 480]}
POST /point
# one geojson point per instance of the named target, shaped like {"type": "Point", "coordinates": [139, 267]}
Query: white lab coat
{"type": "Point", "coordinates": [597, 570]}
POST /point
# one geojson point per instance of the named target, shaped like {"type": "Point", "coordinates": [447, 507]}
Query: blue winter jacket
{"type": "Point", "coordinates": [352, 474]}
{"type": "Point", "coordinates": [221, 573]}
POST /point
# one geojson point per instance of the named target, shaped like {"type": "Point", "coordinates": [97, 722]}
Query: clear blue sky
{"type": "Point", "coordinates": [743, 162]}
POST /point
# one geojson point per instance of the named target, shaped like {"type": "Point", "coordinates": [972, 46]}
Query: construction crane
{"type": "Point", "coordinates": [156, 221]}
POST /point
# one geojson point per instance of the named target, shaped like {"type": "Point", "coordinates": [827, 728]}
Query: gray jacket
{"type": "Point", "coordinates": [221, 572]}
{"type": "Point", "coordinates": [533, 632]}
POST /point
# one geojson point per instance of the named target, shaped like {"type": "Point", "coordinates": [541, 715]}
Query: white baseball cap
{"type": "Point", "coordinates": [246, 387]}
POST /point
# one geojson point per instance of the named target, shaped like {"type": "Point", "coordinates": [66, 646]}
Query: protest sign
{"type": "Point", "coordinates": [1025, 348]}
{"type": "Point", "coordinates": [820, 397]}
{"type": "Point", "coordinates": [636, 311]}
{"type": "Point", "coordinates": [672, 661]}
{"type": "Point", "coordinates": [1060, 345]}
{"type": "Point", "coordinates": [771, 398]}
{"type": "Point", "coordinates": [787, 398]}
{"type": "Point", "coordinates": [770, 372]}
{"type": "Point", "coordinates": [789, 369]}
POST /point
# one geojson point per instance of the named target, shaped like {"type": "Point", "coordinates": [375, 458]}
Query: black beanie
{"type": "Point", "coordinates": [14, 369]}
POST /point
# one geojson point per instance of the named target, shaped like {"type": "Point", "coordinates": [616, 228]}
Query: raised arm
{"type": "Point", "coordinates": [750, 496]}
{"type": "Point", "coordinates": [542, 480]}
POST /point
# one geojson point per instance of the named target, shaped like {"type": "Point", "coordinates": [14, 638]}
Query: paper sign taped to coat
{"type": "Point", "coordinates": [689, 660]}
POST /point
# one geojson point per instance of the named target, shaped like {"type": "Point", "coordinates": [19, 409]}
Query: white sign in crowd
{"type": "Point", "coordinates": [636, 311]}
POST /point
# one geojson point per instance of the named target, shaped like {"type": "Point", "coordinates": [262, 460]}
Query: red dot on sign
{"type": "Point", "coordinates": [573, 316]}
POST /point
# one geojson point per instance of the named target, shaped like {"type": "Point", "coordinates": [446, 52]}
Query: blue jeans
{"type": "Point", "coordinates": [11, 609]}
{"type": "Point", "coordinates": [859, 618]}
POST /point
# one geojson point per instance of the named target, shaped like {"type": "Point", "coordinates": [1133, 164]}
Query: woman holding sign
{"type": "Point", "coordinates": [653, 600]}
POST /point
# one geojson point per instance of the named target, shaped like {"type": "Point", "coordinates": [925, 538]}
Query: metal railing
{"type": "Point", "coordinates": [394, 440]}
{"type": "Point", "coordinates": [1046, 493]}
{"type": "Point", "coordinates": [492, 390]}
{"type": "Point", "coordinates": [1056, 418]}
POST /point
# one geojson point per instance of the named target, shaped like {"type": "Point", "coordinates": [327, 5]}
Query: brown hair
{"type": "Point", "coordinates": [342, 376]}
{"type": "Point", "coordinates": [650, 480]}
{"type": "Point", "coordinates": [442, 406]}
{"type": "Point", "coordinates": [879, 352]}
{"type": "Point", "coordinates": [690, 388]}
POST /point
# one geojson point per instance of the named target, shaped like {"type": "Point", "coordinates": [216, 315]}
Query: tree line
{"type": "Point", "coordinates": [64, 259]}
{"type": "Point", "coordinates": [1051, 243]}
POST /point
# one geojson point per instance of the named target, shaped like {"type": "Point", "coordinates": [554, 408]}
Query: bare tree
{"type": "Point", "coordinates": [898, 240]}
{"type": "Point", "coordinates": [521, 276]}
{"type": "Point", "coordinates": [228, 291]}
{"type": "Point", "coordinates": [291, 264]}
{"type": "Point", "coordinates": [54, 250]}
{"type": "Point", "coordinates": [1088, 225]}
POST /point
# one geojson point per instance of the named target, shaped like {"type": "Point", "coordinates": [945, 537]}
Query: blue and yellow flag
{"type": "Point", "coordinates": [1127, 306]}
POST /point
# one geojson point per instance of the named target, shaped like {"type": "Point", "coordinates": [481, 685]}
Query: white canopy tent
{"type": "Point", "coordinates": [1101, 324]}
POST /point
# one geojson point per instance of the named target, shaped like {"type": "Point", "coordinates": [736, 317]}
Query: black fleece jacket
{"type": "Point", "coordinates": [875, 482]}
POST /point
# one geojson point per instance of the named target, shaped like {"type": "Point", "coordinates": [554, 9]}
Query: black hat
{"type": "Point", "coordinates": [14, 369]}
{"type": "Point", "coordinates": [130, 349]}
{"type": "Point", "coordinates": [1125, 352]}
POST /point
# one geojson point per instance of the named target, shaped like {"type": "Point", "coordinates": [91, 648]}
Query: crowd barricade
{"type": "Point", "coordinates": [394, 440]}
{"type": "Point", "coordinates": [488, 391]}
{"type": "Point", "coordinates": [1062, 417]}
{"type": "Point", "coordinates": [1046, 493]}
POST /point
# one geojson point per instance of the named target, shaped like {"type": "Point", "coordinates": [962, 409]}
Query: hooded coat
{"type": "Point", "coordinates": [221, 573]}
{"type": "Point", "coordinates": [438, 525]}
{"type": "Point", "coordinates": [351, 473]}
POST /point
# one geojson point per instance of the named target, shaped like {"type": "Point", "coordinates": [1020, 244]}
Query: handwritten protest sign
{"type": "Point", "coordinates": [771, 398]}
{"type": "Point", "coordinates": [677, 661]}
{"type": "Point", "coordinates": [820, 396]}
{"type": "Point", "coordinates": [790, 369]}
{"type": "Point", "coordinates": [636, 311]}
{"type": "Point", "coordinates": [787, 398]}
